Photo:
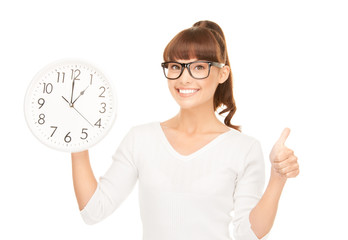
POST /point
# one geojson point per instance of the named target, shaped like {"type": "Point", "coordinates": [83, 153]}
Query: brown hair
{"type": "Point", "coordinates": [206, 41]}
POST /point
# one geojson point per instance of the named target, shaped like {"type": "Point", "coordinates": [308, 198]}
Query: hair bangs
{"type": "Point", "coordinates": [194, 42]}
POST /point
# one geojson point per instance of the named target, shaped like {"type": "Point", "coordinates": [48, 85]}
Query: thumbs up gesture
{"type": "Point", "coordinates": [284, 162]}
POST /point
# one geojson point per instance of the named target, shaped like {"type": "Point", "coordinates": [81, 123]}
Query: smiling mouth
{"type": "Point", "coordinates": [187, 92]}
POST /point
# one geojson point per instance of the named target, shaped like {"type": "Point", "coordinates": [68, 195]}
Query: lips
{"type": "Point", "coordinates": [187, 92]}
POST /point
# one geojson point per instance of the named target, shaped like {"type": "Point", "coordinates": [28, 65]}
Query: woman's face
{"type": "Point", "coordinates": [189, 92]}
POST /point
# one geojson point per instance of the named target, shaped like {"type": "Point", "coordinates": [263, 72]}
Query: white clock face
{"type": "Point", "coordinates": [70, 105]}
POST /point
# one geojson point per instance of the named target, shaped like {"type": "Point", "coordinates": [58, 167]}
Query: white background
{"type": "Point", "coordinates": [289, 62]}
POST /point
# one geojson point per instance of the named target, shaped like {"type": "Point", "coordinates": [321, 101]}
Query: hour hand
{"type": "Point", "coordinates": [81, 93]}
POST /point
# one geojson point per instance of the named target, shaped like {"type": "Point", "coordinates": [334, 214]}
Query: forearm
{"type": "Point", "coordinates": [84, 181]}
{"type": "Point", "coordinates": [263, 214]}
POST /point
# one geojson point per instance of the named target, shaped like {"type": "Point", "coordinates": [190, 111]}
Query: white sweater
{"type": "Point", "coordinates": [181, 197]}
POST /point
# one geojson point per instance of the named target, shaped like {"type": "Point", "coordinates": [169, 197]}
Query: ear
{"type": "Point", "coordinates": [224, 73]}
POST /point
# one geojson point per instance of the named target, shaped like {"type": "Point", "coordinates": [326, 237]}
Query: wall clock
{"type": "Point", "coordinates": [70, 105]}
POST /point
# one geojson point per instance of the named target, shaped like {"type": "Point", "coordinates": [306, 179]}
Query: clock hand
{"type": "Point", "coordinates": [65, 99]}
{"type": "Point", "coordinates": [70, 104]}
{"type": "Point", "coordinates": [72, 90]}
{"type": "Point", "coordinates": [82, 115]}
{"type": "Point", "coordinates": [81, 93]}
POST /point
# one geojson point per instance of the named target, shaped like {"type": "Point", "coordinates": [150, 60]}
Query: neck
{"type": "Point", "coordinates": [201, 119]}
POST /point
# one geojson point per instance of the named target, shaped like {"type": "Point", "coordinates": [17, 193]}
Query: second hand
{"type": "Point", "coordinates": [82, 115]}
{"type": "Point", "coordinates": [72, 106]}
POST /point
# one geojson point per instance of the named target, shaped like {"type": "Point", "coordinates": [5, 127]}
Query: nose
{"type": "Point", "coordinates": [185, 76]}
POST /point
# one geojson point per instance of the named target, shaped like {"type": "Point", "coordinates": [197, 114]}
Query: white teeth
{"type": "Point", "coordinates": [188, 90]}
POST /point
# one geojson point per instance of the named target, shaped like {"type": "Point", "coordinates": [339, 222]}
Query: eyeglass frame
{"type": "Point", "coordinates": [187, 65]}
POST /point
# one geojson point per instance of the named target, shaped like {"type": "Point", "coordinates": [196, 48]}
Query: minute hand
{"type": "Point", "coordinates": [72, 90]}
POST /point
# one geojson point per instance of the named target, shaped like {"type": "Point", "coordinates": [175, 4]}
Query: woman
{"type": "Point", "coordinates": [193, 170]}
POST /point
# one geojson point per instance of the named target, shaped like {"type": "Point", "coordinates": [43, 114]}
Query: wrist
{"type": "Point", "coordinates": [75, 156]}
{"type": "Point", "coordinates": [277, 177]}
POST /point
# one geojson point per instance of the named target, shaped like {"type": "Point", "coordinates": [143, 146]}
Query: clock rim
{"type": "Point", "coordinates": [38, 76]}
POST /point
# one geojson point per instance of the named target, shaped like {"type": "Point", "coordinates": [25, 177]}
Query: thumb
{"type": "Point", "coordinates": [283, 136]}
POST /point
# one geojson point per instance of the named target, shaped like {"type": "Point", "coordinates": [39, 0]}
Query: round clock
{"type": "Point", "coordinates": [70, 105]}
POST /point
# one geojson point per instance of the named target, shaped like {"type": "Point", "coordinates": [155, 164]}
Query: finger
{"type": "Point", "coordinates": [284, 155]}
{"type": "Point", "coordinates": [293, 174]}
{"type": "Point", "coordinates": [289, 169]}
{"type": "Point", "coordinates": [285, 163]}
{"type": "Point", "coordinates": [284, 136]}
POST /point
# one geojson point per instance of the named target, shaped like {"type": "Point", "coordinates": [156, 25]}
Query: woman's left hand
{"type": "Point", "coordinates": [284, 162]}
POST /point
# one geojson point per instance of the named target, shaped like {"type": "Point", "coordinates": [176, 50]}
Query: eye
{"type": "Point", "coordinates": [200, 67]}
{"type": "Point", "coordinates": [174, 66]}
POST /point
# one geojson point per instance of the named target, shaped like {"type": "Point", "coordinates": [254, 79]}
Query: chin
{"type": "Point", "coordinates": [185, 105]}
{"type": "Point", "coordinates": [189, 105]}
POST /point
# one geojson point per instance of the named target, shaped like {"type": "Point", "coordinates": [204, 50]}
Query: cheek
{"type": "Point", "coordinates": [171, 86]}
{"type": "Point", "coordinates": [210, 85]}
{"type": "Point", "coordinates": [172, 89]}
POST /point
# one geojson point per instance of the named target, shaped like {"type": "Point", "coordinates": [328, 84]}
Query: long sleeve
{"type": "Point", "coordinates": [116, 184]}
{"type": "Point", "coordinates": [249, 188]}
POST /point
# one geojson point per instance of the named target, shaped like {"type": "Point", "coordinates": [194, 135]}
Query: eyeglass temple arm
{"type": "Point", "coordinates": [219, 65]}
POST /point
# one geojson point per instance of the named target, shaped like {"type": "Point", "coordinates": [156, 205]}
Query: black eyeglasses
{"type": "Point", "coordinates": [198, 69]}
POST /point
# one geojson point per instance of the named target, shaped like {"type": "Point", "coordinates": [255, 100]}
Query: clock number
{"type": "Point", "coordinates": [59, 76]}
{"type": "Point", "coordinates": [41, 119]}
{"type": "Point", "coordinates": [41, 102]}
{"type": "Point", "coordinates": [85, 133]}
{"type": "Point", "coordinates": [103, 107]}
{"type": "Point", "coordinates": [90, 83]}
{"type": "Point", "coordinates": [75, 73]}
{"type": "Point", "coordinates": [55, 129]}
{"type": "Point", "coordinates": [67, 138]}
{"type": "Point", "coordinates": [98, 123]}
{"type": "Point", "coordinates": [48, 88]}
{"type": "Point", "coordinates": [101, 95]}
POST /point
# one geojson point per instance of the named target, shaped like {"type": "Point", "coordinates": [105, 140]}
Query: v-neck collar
{"type": "Point", "coordinates": [194, 154]}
